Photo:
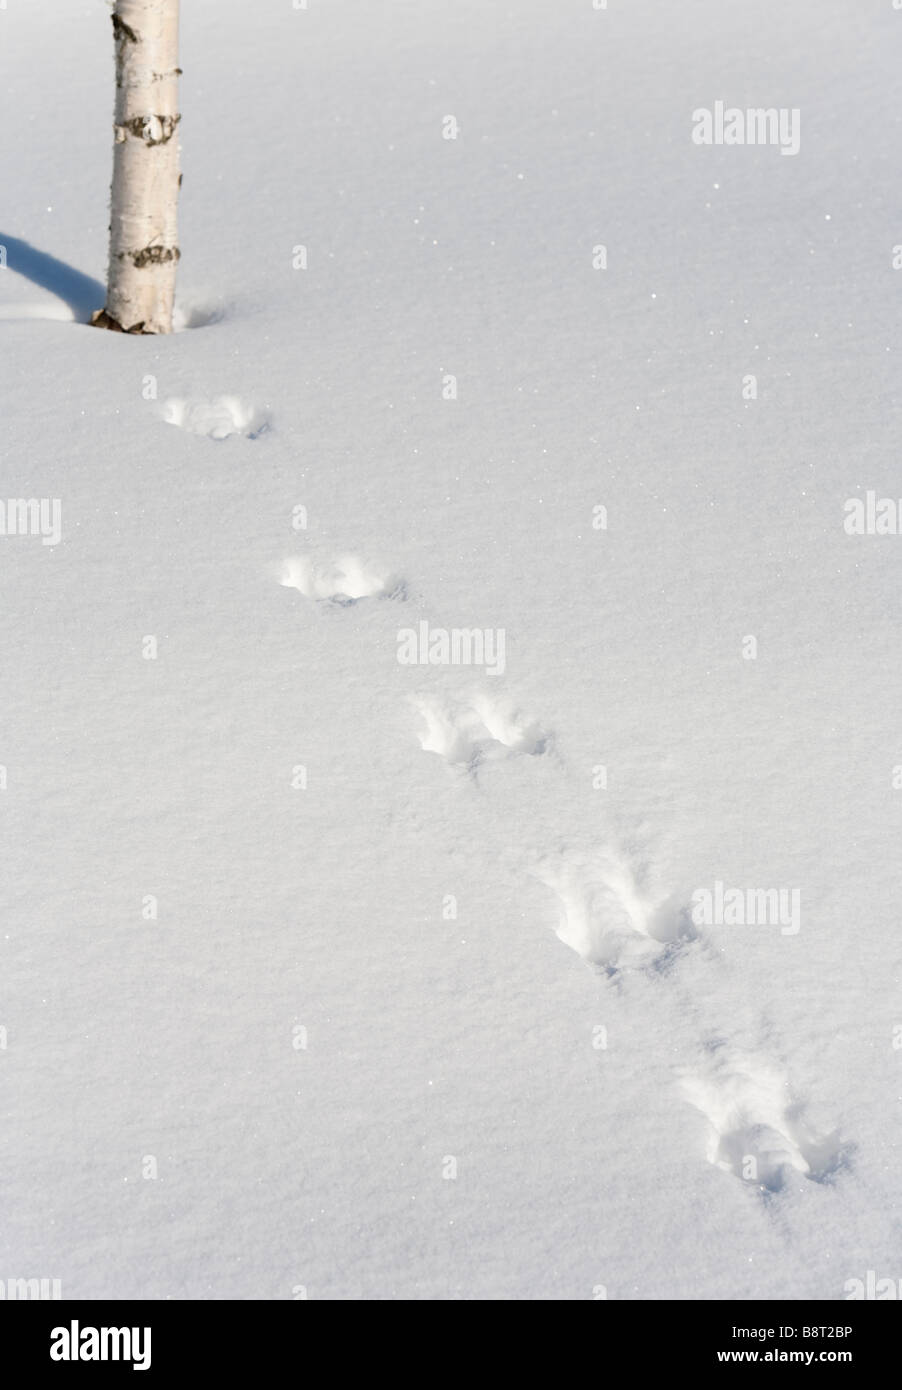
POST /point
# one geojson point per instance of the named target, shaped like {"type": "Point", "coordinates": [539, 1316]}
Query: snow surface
{"type": "Point", "coordinates": [599, 1068]}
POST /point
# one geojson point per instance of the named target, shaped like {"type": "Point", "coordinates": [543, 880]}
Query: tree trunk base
{"type": "Point", "coordinates": [101, 319]}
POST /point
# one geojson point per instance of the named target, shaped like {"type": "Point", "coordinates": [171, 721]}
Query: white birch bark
{"type": "Point", "coordinates": [144, 249]}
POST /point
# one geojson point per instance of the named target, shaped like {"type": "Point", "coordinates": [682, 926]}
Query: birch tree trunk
{"type": "Point", "coordinates": [143, 213]}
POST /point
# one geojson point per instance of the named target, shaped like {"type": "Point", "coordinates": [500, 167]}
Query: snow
{"type": "Point", "coordinates": [229, 954]}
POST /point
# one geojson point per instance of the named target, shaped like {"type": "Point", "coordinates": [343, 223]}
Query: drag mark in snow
{"type": "Point", "coordinates": [607, 916]}
{"type": "Point", "coordinates": [755, 1129]}
{"type": "Point", "coordinates": [344, 581]}
{"type": "Point", "coordinates": [481, 730]}
{"type": "Point", "coordinates": [220, 418]}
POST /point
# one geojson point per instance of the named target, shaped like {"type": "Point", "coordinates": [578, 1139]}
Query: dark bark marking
{"type": "Point", "coordinates": [151, 255]}
{"type": "Point", "coordinates": [121, 30]}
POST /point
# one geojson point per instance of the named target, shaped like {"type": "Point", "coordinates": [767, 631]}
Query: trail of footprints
{"type": "Point", "coordinates": [755, 1127]}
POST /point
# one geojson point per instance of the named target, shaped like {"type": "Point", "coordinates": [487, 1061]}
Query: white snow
{"type": "Point", "coordinates": [320, 971]}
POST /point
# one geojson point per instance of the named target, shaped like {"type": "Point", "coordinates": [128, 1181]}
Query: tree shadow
{"type": "Point", "coordinates": [82, 293]}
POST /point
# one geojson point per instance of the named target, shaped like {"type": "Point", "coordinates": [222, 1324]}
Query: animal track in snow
{"type": "Point", "coordinates": [482, 730]}
{"type": "Point", "coordinates": [344, 581]}
{"type": "Point", "coordinates": [220, 418]}
{"type": "Point", "coordinates": [607, 916]}
{"type": "Point", "coordinates": [755, 1128]}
